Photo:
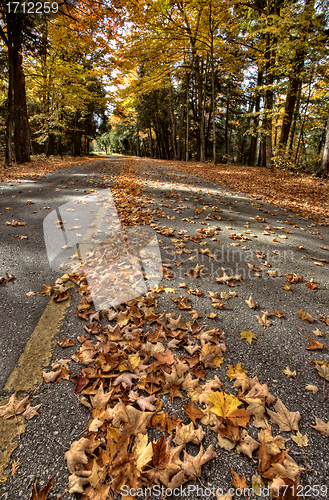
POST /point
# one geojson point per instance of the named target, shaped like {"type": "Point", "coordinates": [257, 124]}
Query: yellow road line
{"type": "Point", "coordinates": [36, 356]}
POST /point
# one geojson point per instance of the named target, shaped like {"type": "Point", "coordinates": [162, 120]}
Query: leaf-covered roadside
{"type": "Point", "coordinates": [304, 195]}
{"type": "Point", "coordinates": [135, 358]}
{"type": "Point", "coordinates": [39, 167]}
{"type": "Point", "coordinates": [130, 357]}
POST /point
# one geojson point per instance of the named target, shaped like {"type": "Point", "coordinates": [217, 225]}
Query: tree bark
{"type": "Point", "coordinates": [323, 170]}
{"type": "Point", "coordinates": [293, 87]}
{"type": "Point", "coordinates": [173, 123]}
{"type": "Point", "coordinates": [254, 137]}
{"type": "Point", "coordinates": [21, 124]}
{"type": "Point", "coordinates": [10, 113]}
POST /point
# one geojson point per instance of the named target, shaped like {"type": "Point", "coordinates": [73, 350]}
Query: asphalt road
{"type": "Point", "coordinates": [288, 243]}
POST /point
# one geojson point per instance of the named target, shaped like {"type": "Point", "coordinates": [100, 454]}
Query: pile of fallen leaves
{"type": "Point", "coordinates": [39, 166]}
{"type": "Point", "coordinates": [304, 195]}
{"type": "Point", "coordinates": [134, 359]}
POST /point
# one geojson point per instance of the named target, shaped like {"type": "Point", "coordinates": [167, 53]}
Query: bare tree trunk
{"type": "Point", "coordinates": [323, 170]}
{"type": "Point", "coordinates": [254, 137]}
{"type": "Point", "coordinates": [10, 114]}
{"type": "Point", "coordinates": [187, 120]}
{"type": "Point", "coordinates": [173, 123]}
{"type": "Point", "coordinates": [293, 87]}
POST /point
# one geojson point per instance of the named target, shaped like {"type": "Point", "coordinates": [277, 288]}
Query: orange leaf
{"type": "Point", "coordinates": [314, 344]}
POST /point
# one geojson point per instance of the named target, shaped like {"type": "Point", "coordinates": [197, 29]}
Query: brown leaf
{"type": "Point", "coordinates": [251, 302]}
{"type": "Point", "coordinates": [193, 412]}
{"type": "Point", "coordinates": [47, 289]}
{"type": "Point", "coordinates": [286, 420]}
{"type": "Point", "coordinates": [305, 316]}
{"type": "Point", "coordinates": [237, 481]}
{"type": "Point", "coordinates": [13, 407]}
{"type": "Point", "coordinates": [321, 427]}
{"type": "Point", "coordinates": [314, 344]}
{"type": "Point", "coordinates": [42, 494]}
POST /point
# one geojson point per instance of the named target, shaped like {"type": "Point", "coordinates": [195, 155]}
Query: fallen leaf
{"type": "Point", "coordinates": [312, 388]}
{"type": "Point", "coordinates": [286, 420]}
{"type": "Point", "coordinates": [237, 481]}
{"type": "Point", "coordinates": [251, 302]}
{"type": "Point", "coordinates": [305, 316]}
{"type": "Point", "coordinates": [314, 344]}
{"type": "Point", "coordinates": [248, 336]}
{"type": "Point", "coordinates": [321, 426]}
{"type": "Point", "coordinates": [300, 440]}
{"type": "Point", "coordinates": [289, 373]}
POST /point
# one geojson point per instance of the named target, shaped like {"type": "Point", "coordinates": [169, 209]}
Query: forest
{"type": "Point", "coordinates": [218, 81]}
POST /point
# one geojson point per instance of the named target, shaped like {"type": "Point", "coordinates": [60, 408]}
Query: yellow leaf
{"type": "Point", "coordinates": [134, 360]}
{"type": "Point", "coordinates": [300, 440]}
{"type": "Point", "coordinates": [286, 286]}
{"type": "Point", "coordinates": [305, 316]}
{"type": "Point", "coordinates": [218, 360]}
{"type": "Point", "coordinates": [233, 370]}
{"type": "Point", "coordinates": [248, 335]}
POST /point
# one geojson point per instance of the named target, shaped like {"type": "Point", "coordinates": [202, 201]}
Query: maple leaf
{"type": "Point", "coordinates": [318, 333]}
{"type": "Point", "coordinates": [321, 427]}
{"type": "Point", "coordinates": [193, 412]}
{"type": "Point", "coordinates": [322, 368]}
{"type": "Point", "coordinates": [248, 335]}
{"type": "Point", "coordinates": [225, 406]}
{"type": "Point", "coordinates": [145, 403]}
{"type": "Point", "coordinates": [233, 371]}
{"type": "Point", "coordinates": [129, 419]}
{"type": "Point", "coordinates": [160, 455]}
{"type": "Point", "coordinates": [66, 342]}
{"type": "Point", "coordinates": [13, 407]}
{"type": "Point", "coordinates": [77, 453]}
{"type": "Point", "coordinates": [31, 411]}
{"type": "Point", "coordinates": [286, 420]}
{"type": "Point", "coordinates": [256, 408]}
{"type": "Point", "coordinates": [263, 321]}
{"type": "Point", "coordinates": [312, 388]}
{"type": "Point", "coordinates": [289, 373]}
{"type": "Point", "coordinates": [251, 302]}
{"type": "Point", "coordinates": [76, 484]}
{"type": "Point", "coordinates": [126, 379]}
{"type": "Point", "coordinates": [246, 445]}
{"type": "Point", "coordinates": [305, 316]}
{"type": "Point", "coordinates": [192, 465]}
{"type": "Point", "coordinates": [314, 344]}
{"type": "Point", "coordinates": [42, 494]}
{"type": "Point", "coordinates": [101, 399]}
{"type": "Point", "coordinates": [324, 319]}
{"type": "Point", "coordinates": [47, 289]}
{"type": "Point", "coordinates": [143, 449]}
{"type": "Point", "coordinates": [237, 481]}
{"type": "Point", "coordinates": [300, 440]}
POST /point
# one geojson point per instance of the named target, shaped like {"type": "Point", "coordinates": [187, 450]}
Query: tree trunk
{"type": "Point", "coordinates": [200, 111]}
{"type": "Point", "coordinates": [180, 134]}
{"type": "Point", "coordinates": [187, 120]}
{"type": "Point", "coordinates": [173, 123]}
{"type": "Point", "coordinates": [323, 170]}
{"type": "Point", "coordinates": [293, 87]}
{"type": "Point", "coordinates": [151, 142]}
{"type": "Point", "coordinates": [22, 128]}
{"type": "Point", "coordinates": [226, 130]}
{"type": "Point", "coordinates": [10, 113]}
{"type": "Point", "coordinates": [254, 137]}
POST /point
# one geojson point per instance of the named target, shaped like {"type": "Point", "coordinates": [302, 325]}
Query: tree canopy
{"type": "Point", "coordinates": [211, 80]}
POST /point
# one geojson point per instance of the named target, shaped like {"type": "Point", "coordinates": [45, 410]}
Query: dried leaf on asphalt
{"type": "Point", "coordinates": [251, 302]}
{"type": "Point", "coordinates": [42, 494]}
{"type": "Point", "coordinates": [321, 426]}
{"type": "Point", "coordinates": [248, 336]}
{"type": "Point", "coordinates": [305, 316]}
{"type": "Point", "coordinates": [289, 373]}
{"type": "Point", "coordinates": [314, 344]}
{"type": "Point", "coordinates": [13, 407]}
{"type": "Point", "coordinates": [300, 440]}
{"type": "Point", "coordinates": [237, 481]}
{"type": "Point", "coordinates": [286, 420]}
